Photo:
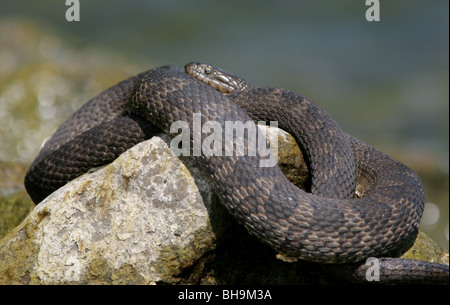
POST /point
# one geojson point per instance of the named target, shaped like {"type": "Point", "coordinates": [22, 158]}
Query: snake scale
{"type": "Point", "coordinates": [325, 225]}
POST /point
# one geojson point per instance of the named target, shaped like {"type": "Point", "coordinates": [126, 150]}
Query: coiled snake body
{"type": "Point", "coordinates": [326, 225]}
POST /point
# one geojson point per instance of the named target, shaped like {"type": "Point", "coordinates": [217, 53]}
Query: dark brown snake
{"type": "Point", "coordinates": [327, 225]}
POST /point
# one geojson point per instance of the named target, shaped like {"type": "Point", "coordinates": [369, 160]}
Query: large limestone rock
{"type": "Point", "coordinates": [146, 218]}
{"type": "Point", "coordinates": [137, 220]}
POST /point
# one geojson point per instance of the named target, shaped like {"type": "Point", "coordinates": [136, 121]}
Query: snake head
{"type": "Point", "coordinates": [219, 79]}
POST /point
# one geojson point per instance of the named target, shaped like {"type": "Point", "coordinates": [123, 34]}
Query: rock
{"type": "Point", "coordinates": [147, 218]}
{"type": "Point", "coordinates": [15, 203]}
{"type": "Point", "coordinates": [140, 219]}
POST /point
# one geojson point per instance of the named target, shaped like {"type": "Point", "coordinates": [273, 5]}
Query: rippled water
{"type": "Point", "coordinates": [385, 82]}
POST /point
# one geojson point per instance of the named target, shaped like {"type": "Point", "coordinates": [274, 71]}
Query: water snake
{"type": "Point", "coordinates": [325, 226]}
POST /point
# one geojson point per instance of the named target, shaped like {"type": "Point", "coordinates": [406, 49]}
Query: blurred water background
{"type": "Point", "coordinates": [385, 82]}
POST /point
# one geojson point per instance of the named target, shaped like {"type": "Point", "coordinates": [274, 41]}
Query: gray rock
{"type": "Point", "coordinates": [140, 219]}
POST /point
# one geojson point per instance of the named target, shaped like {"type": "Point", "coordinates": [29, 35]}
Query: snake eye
{"type": "Point", "coordinates": [208, 70]}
